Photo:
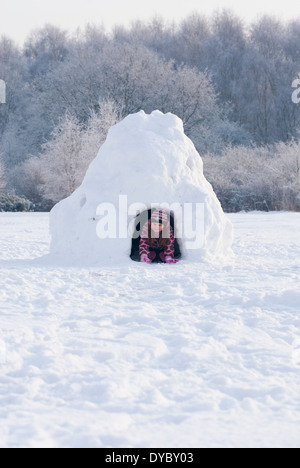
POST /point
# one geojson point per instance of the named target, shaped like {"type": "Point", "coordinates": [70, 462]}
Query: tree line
{"type": "Point", "coordinates": [228, 81]}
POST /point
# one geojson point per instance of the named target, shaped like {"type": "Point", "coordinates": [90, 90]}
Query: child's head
{"type": "Point", "coordinates": [156, 227]}
{"type": "Point", "coordinates": [159, 216]}
{"type": "Point", "coordinates": [159, 220]}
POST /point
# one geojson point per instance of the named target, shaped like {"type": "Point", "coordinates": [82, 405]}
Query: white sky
{"type": "Point", "coordinates": [19, 17]}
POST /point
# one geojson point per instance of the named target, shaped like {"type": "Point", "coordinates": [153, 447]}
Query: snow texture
{"type": "Point", "coordinates": [200, 355]}
{"type": "Point", "coordinates": [148, 161]}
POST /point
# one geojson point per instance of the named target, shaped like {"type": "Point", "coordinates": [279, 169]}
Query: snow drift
{"type": "Point", "coordinates": [146, 161]}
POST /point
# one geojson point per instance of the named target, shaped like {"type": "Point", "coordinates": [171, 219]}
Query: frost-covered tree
{"type": "Point", "coordinates": [24, 123]}
{"type": "Point", "coordinates": [133, 76]}
{"type": "Point", "coordinates": [258, 177]}
{"type": "Point", "coordinates": [191, 41]}
{"type": "Point", "coordinates": [99, 123]}
{"type": "Point", "coordinates": [60, 169]}
{"type": "Point", "coordinates": [288, 172]}
{"type": "Point", "coordinates": [28, 180]}
{"type": "Point", "coordinates": [62, 160]}
{"type": "Point", "coordinates": [224, 50]}
{"type": "Point", "coordinates": [45, 48]}
{"type": "Point", "coordinates": [12, 70]}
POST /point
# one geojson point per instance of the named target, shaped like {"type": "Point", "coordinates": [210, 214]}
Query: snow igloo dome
{"type": "Point", "coordinates": [147, 162]}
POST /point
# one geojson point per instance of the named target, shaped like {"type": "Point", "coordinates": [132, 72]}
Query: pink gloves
{"type": "Point", "coordinates": [170, 260]}
{"type": "Point", "coordinates": [145, 258]}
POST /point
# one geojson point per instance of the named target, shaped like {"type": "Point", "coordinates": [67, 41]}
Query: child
{"type": "Point", "coordinates": [157, 239]}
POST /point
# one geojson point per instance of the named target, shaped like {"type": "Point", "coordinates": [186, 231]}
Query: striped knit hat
{"type": "Point", "coordinates": [159, 216]}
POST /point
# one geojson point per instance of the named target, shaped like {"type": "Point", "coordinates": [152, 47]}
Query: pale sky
{"type": "Point", "coordinates": [19, 17]}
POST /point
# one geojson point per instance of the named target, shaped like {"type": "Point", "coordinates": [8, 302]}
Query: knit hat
{"type": "Point", "coordinates": [159, 216]}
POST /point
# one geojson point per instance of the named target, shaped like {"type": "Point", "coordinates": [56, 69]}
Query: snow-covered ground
{"type": "Point", "coordinates": [184, 355]}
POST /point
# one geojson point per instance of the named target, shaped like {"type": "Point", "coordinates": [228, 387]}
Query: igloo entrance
{"type": "Point", "coordinates": [139, 222]}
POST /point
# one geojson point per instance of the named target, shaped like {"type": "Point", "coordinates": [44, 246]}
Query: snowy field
{"type": "Point", "coordinates": [151, 355]}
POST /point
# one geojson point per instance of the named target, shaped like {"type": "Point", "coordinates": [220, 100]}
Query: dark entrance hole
{"type": "Point", "coordinates": [140, 220]}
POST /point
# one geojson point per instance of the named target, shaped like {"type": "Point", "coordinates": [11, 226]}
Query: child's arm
{"type": "Point", "coordinates": [170, 250]}
{"type": "Point", "coordinates": [144, 248]}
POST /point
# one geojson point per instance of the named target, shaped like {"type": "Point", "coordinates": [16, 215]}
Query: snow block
{"type": "Point", "coordinates": [146, 162]}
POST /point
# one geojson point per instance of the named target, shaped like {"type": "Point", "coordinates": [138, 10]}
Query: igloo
{"type": "Point", "coordinates": [146, 162]}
